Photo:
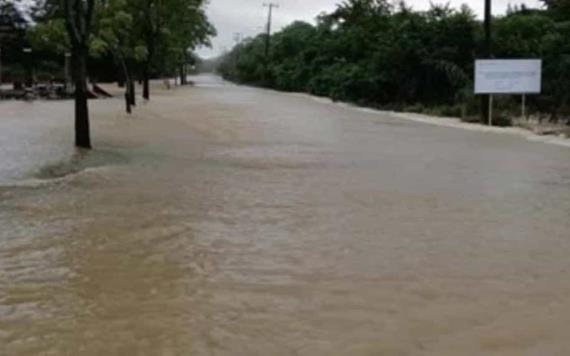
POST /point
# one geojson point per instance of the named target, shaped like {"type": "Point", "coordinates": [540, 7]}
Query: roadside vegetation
{"type": "Point", "coordinates": [73, 43]}
{"type": "Point", "coordinates": [373, 53]}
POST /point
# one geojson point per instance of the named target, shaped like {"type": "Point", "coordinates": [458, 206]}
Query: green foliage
{"type": "Point", "coordinates": [374, 53]}
{"type": "Point", "coordinates": [169, 30]}
{"type": "Point", "coordinates": [126, 31]}
{"type": "Point", "coordinates": [50, 36]}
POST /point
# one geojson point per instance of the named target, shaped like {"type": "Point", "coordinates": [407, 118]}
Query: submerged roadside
{"type": "Point", "coordinates": [532, 129]}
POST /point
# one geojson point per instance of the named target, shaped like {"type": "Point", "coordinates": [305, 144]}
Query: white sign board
{"type": "Point", "coordinates": [508, 76]}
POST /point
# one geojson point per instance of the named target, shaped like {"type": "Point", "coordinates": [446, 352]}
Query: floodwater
{"type": "Point", "coordinates": [223, 220]}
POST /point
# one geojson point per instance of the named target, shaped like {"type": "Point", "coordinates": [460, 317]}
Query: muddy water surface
{"type": "Point", "coordinates": [222, 220]}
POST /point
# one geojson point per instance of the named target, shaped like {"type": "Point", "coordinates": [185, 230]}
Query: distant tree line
{"type": "Point", "coordinates": [373, 53]}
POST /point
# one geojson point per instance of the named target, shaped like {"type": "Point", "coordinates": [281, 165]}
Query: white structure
{"type": "Point", "coordinates": [508, 76]}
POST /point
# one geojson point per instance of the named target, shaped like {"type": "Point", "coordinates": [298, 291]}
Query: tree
{"type": "Point", "coordinates": [189, 28]}
{"type": "Point", "coordinates": [169, 28]}
{"type": "Point", "coordinates": [114, 35]}
{"type": "Point", "coordinates": [78, 16]}
{"type": "Point", "coordinates": [12, 38]}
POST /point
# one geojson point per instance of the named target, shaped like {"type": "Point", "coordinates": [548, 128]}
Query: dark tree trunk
{"type": "Point", "coordinates": [82, 134]}
{"type": "Point", "coordinates": [128, 83]}
{"type": "Point", "coordinates": [78, 16]}
{"type": "Point", "coordinates": [181, 70]}
{"type": "Point", "coordinates": [149, 40]}
{"type": "Point", "coordinates": [120, 75]}
{"type": "Point", "coordinates": [129, 94]}
{"type": "Point", "coordinates": [146, 90]}
{"type": "Point", "coordinates": [128, 102]}
{"type": "Point", "coordinates": [132, 97]}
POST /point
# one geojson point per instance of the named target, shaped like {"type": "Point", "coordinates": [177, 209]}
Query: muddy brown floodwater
{"type": "Point", "coordinates": [223, 220]}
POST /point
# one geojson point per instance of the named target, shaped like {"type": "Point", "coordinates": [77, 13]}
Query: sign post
{"type": "Point", "coordinates": [508, 76]}
{"type": "Point", "coordinates": [490, 110]}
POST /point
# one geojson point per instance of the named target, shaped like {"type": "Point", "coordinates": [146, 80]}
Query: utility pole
{"type": "Point", "coordinates": [488, 28]}
{"type": "Point", "coordinates": [486, 99]}
{"type": "Point", "coordinates": [235, 51]}
{"type": "Point", "coordinates": [270, 7]}
{"type": "Point", "coordinates": [237, 37]}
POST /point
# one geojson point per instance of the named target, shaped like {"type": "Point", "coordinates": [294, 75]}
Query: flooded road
{"type": "Point", "coordinates": [223, 220]}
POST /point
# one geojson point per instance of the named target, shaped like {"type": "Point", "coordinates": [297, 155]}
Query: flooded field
{"type": "Point", "coordinates": [223, 220]}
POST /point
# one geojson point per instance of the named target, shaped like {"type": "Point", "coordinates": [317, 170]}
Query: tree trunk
{"type": "Point", "coordinates": [129, 94]}
{"type": "Point", "coordinates": [186, 74]}
{"type": "Point", "coordinates": [146, 91]}
{"type": "Point", "coordinates": [148, 62]}
{"type": "Point", "coordinates": [128, 102]}
{"type": "Point", "coordinates": [120, 74]}
{"type": "Point", "coordinates": [128, 83]}
{"type": "Point", "coordinates": [82, 134]}
{"type": "Point", "coordinates": [132, 92]}
{"type": "Point", "coordinates": [181, 70]}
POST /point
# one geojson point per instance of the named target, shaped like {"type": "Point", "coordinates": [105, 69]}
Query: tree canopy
{"type": "Point", "coordinates": [136, 38]}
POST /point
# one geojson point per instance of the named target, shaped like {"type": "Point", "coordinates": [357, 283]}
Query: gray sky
{"type": "Point", "coordinates": [248, 17]}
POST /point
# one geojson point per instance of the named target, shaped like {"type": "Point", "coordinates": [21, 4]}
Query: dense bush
{"type": "Point", "coordinates": [372, 53]}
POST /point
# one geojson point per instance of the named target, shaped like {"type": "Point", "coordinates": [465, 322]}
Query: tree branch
{"type": "Point", "coordinates": [89, 17]}
{"type": "Point", "coordinates": [72, 29]}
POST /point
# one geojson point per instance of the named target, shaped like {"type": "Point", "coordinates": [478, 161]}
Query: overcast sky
{"type": "Point", "coordinates": [248, 17]}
